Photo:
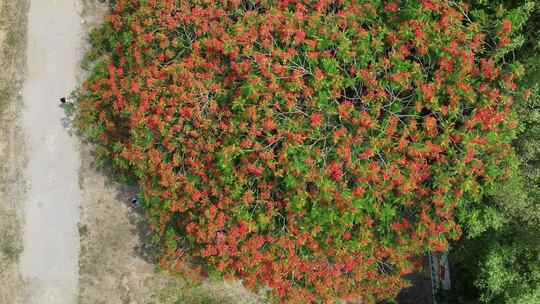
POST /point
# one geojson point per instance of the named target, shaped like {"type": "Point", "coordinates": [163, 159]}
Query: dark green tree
{"type": "Point", "coordinates": [498, 260]}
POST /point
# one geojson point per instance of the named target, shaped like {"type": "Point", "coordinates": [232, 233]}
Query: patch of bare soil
{"type": "Point", "coordinates": [12, 62]}
{"type": "Point", "coordinates": [111, 267]}
{"type": "Point", "coordinates": [116, 265]}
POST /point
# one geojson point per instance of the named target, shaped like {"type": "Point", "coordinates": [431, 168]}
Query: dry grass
{"type": "Point", "coordinates": [12, 63]}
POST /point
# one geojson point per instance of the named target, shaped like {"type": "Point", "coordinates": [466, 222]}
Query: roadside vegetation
{"type": "Point", "coordinates": [12, 62]}
{"type": "Point", "coordinates": [315, 149]}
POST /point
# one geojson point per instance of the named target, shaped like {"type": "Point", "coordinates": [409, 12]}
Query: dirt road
{"type": "Point", "coordinates": [49, 262]}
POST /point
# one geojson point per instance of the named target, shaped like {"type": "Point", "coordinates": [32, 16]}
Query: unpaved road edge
{"type": "Point", "coordinates": [13, 20]}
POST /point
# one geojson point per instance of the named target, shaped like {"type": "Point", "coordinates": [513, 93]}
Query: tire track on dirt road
{"type": "Point", "coordinates": [49, 263]}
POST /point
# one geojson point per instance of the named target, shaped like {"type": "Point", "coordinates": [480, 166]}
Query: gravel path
{"type": "Point", "coordinates": [49, 263]}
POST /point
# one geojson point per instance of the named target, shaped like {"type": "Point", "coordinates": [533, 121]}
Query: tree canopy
{"type": "Point", "coordinates": [497, 262]}
{"type": "Point", "coordinates": [312, 147]}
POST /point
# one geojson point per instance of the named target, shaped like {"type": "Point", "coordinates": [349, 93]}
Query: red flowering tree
{"type": "Point", "coordinates": [312, 147]}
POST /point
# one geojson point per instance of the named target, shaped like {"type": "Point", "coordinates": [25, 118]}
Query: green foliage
{"type": "Point", "coordinates": [511, 271]}
{"type": "Point", "coordinates": [527, 204]}
{"type": "Point", "coordinates": [499, 262]}
{"type": "Point", "coordinates": [499, 267]}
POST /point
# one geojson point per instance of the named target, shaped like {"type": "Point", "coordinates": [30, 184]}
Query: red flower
{"type": "Point", "coordinates": [358, 191]}
{"type": "Point", "coordinates": [391, 7]}
{"type": "Point", "coordinates": [316, 119]}
{"type": "Point", "coordinates": [335, 171]}
{"type": "Point", "coordinates": [506, 26]}
{"type": "Point", "coordinates": [299, 36]}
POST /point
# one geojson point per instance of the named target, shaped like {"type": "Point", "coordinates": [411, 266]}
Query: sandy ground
{"type": "Point", "coordinates": [49, 262]}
